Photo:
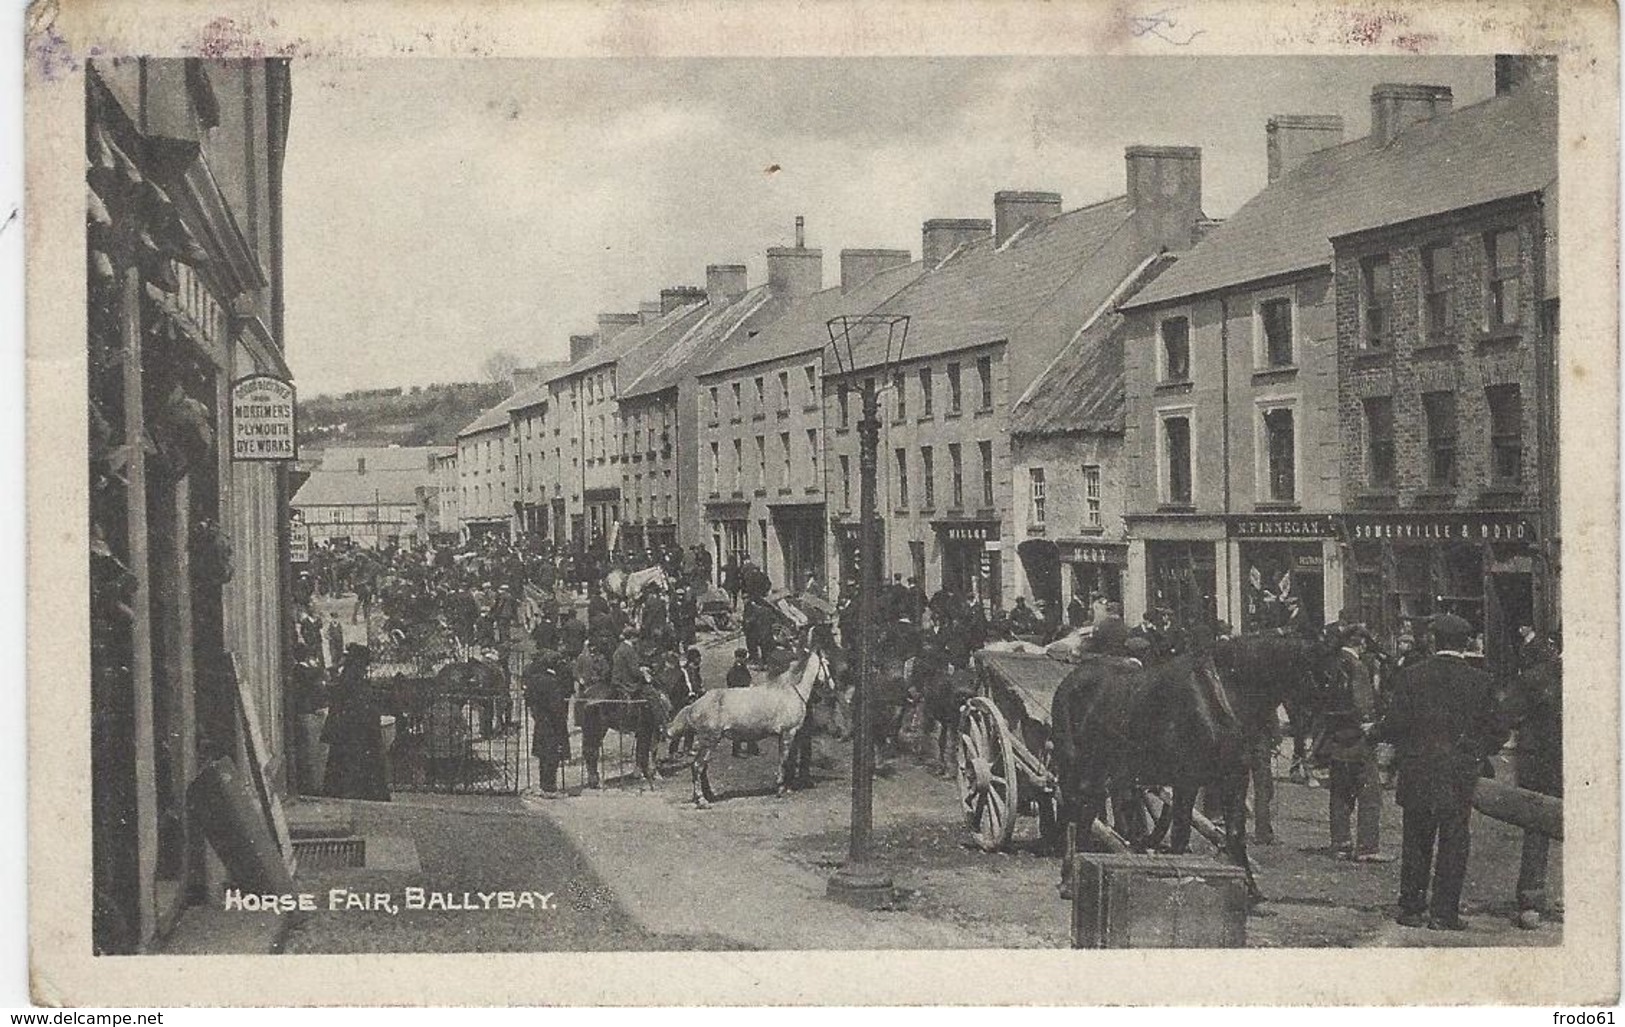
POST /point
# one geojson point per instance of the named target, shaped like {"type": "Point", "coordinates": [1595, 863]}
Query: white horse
{"type": "Point", "coordinates": [629, 585]}
{"type": "Point", "coordinates": [790, 707]}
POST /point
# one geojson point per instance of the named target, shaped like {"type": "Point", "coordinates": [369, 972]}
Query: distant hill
{"type": "Point", "coordinates": [430, 415]}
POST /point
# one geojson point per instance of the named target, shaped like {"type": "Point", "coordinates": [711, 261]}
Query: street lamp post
{"type": "Point", "coordinates": [859, 882]}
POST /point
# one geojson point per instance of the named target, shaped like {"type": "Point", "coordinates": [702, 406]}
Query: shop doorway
{"type": "Point", "coordinates": [1183, 580]}
{"type": "Point", "coordinates": [1511, 606]}
{"type": "Point", "coordinates": [1041, 562]}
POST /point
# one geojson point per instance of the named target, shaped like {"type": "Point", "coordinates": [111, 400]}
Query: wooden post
{"type": "Point", "coordinates": [1520, 807]}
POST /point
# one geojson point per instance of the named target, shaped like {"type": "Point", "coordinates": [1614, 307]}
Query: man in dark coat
{"type": "Point", "coordinates": [1443, 724]}
{"type": "Point", "coordinates": [547, 696]}
{"type": "Point", "coordinates": [916, 602]}
{"type": "Point", "coordinates": [684, 612]}
{"type": "Point", "coordinates": [1077, 612]}
{"type": "Point", "coordinates": [702, 564]}
{"type": "Point", "coordinates": [624, 664]}
{"type": "Point", "coordinates": [355, 762]}
{"type": "Point", "coordinates": [753, 581]}
{"type": "Point", "coordinates": [739, 677]}
{"type": "Point", "coordinates": [1022, 619]}
{"type": "Point", "coordinates": [1535, 708]}
{"type": "Point", "coordinates": [758, 629]}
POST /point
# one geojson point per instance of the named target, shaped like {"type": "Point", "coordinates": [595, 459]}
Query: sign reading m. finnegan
{"type": "Point", "coordinates": [262, 418]}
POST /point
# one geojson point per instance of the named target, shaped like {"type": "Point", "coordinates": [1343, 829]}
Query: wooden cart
{"type": "Point", "coordinates": [1004, 751]}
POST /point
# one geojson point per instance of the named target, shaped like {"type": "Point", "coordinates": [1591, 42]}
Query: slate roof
{"type": "Point", "coordinates": [1502, 147]}
{"type": "Point", "coordinates": [802, 328]}
{"type": "Point", "coordinates": [985, 293]}
{"type": "Point", "coordinates": [381, 458]}
{"type": "Point", "coordinates": [347, 488]}
{"type": "Point", "coordinates": [1082, 389]}
{"type": "Point", "coordinates": [721, 329]}
{"type": "Point", "coordinates": [623, 344]}
{"type": "Point", "coordinates": [496, 417]}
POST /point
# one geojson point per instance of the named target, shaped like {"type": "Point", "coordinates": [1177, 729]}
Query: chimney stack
{"type": "Point", "coordinates": [581, 345]}
{"type": "Point", "coordinates": [525, 378]}
{"type": "Point", "coordinates": [1292, 137]}
{"type": "Point", "coordinates": [1513, 71]}
{"type": "Point", "coordinates": [1165, 193]}
{"type": "Point", "coordinates": [941, 236]}
{"type": "Point", "coordinates": [724, 283]}
{"type": "Point", "coordinates": [680, 296]}
{"type": "Point", "coordinates": [649, 311]}
{"type": "Point", "coordinates": [858, 266]}
{"type": "Point", "coordinates": [795, 270]}
{"type": "Point", "coordinates": [1397, 106]}
{"type": "Point", "coordinates": [611, 325]}
{"type": "Point", "coordinates": [1014, 210]}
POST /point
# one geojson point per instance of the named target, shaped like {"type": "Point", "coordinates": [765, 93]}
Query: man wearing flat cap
{"type": "Point", "coordinates": [1443, 724]}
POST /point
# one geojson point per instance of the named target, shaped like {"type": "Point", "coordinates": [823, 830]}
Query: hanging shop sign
{"type": "Point", "coordinates": [1467, 526]}
{"type": "Point", "coordinates": [298, 538]}
{"type": "Point", "coordinates": [262, 418]}
{"type": "Point", "coordinates": [1281, 526]}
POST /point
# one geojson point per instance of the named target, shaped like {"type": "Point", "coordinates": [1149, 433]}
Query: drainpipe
{"type": "Point", "coordinates": [1228, 580]}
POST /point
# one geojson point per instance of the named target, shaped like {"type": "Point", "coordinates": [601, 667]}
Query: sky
{"type": "Point", "coordinates": [437, 211]}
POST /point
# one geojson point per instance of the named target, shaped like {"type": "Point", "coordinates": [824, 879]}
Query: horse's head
{"type": "Point", "coordinates": [829, 707]}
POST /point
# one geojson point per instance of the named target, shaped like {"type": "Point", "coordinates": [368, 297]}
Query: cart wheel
{"type": "Point", "coordinates": [987, 774]}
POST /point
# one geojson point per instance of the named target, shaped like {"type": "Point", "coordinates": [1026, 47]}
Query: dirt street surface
{"type": "Point", "coordinates": [753, 868]}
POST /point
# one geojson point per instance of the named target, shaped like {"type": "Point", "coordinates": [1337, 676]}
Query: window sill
{"type": "Point", "coordinates": [1500, 333]}
{"type": "Point", "coordinates": [738, 495]}
{"type": "Point", "coordinates": [1096, 529]}
{"type": "Point", "coordinates": [895, 420]}
{"type": "Point", "coordinates": [1173, 388]}
{"type": "Point", "coordinates": [928, 511]}
{"type": "Point", "coordinates": [900, 512]}
{"type": "Point", "coordinates": [759, 492]}
{"type": "Point", "coordinates": [1277, 506]}
{"type": "Point", "coordinates": [810, 408]}
{"type": "Point", "coordinates": [1275, 374]}
{"type": "Point", "coordinates": [811, 490]}
{"type": "Point", "coordinates": [953, 415]}
{"type": "Point", "coordinates": [734, 420]}
{"type": "Point", "coordinates": [1176, 508]}
{"type": "Point", "coordinates": [786, 491]}
{"type": "Point", "coordinates": [784, 415]}
{"type": "Point", "coordinates": [1436, 351]}
{"type": "Point", "coordinates": [925, 418]}
{"type": "Point", "coordinates": [715, 495]}
{"type": "Point", "coordinates": [758, 417]}
{"type": "Point", "coordinates": [1373, 358]}
{"type": "Point", "coordinates": [842, 430]}
{"type": "Point", "coordinates": [984, 412]}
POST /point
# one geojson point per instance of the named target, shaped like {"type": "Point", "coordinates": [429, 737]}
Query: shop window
{"type": "Point", "coordinates": [925, 392]}
{"type": "Point", "coordinates": [1280, 455]}
{"type": "Point", "coordinates": [1502, 292]}
{"type": "Point", "coordinates": [902, 479]}
{"type": "Point", "coordinates": [1175, 351]}
{"type": "Point", "coordinates": [1439, 412]}
{"type": "Point", "coordinates": [956, 465]}
{"type": "Point", "coordinates": [1035, 493]}
{"type": "Point", "coordinates": [1506, 434]}
{"type": "Point", "coordinates": [928, 477]}
{"type": "Point", "coordinates": [1413, 586]}
{"type": "Point", "coordinates": [1275, 331]}
{"type": "Point", "coordinates": [899, 390]}
{"type": "Point", "coordinates": [985, 450]}
{"type": "Point", "coordinates": [1379, 441]}
{"type": "Point", "coordinates": [954, 396]}
{"type": "Point", "coordinates": [1461, 592]}
{"type": "Point", "coordinates": [846, 482]}
{"type": "Point", "coordinates": [1176, 450]}
{"type": "Point", "coordinates": [984, 373]}
{"type": "Point", "coordinates": [1091, 496]}
{"type": "Point", "coordinates": [1376, 302]}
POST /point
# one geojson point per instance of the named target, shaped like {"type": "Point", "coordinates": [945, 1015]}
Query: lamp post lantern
{"type": "Point", "coordinates": [857, 340]}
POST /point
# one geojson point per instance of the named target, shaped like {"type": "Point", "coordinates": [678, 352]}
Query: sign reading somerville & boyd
{"type": "Point", "coordinates": [1465, 526]}
{"type": "Point", "coordinates": [262, 425]}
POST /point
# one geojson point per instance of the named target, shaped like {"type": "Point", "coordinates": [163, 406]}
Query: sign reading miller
{"type": "Point", "coordinates": [262, 426]}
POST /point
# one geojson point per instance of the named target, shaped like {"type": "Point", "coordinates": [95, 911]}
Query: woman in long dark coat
{"type": "Point", "coordinates": [355, 762]}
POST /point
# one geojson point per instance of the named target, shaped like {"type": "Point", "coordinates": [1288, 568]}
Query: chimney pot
{"type": "Point", "coordinates": [724, 283]}
{"type": "Point", "coordinates": [858, 266]}
{"type": "Point", "coordinates": [680, 296]}
{"type": "Point", "coordinates": [1013, 210]}
{"type": "Point", "coordinates": [1395, 106]}
{"type": "Point", "coordinates": [1292, 137]}
{"type": "Point", "coordinates": [940, 237]}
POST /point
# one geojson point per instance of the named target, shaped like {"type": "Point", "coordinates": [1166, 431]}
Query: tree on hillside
{"type": "Point", "coordinates": [500, 366]}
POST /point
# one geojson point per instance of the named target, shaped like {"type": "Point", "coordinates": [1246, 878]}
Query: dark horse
{"type": "Point", "coordinates": [643, 718]}
{"type": "Point", "coordinates": [942, 692]}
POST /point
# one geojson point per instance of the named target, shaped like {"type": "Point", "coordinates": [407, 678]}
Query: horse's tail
{"type": "Point", "coordinates": [681, 722]}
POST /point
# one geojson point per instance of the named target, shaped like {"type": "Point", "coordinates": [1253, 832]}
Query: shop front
{"type": "Point", "coordinates": [1090, 568]}
{"type": "Point", "coordinates": [603, 518]}
{"type": "Point", "coordinates": [1482, 566]}
{"type": "Point", "coordinates": [800, 531]}
{"type": "Point", "coordinates": [1182, 578]}
{"type": "Point", "coordinates": [849, 547]}
{"type": "Point", "coordinates": [660, 536]}
{"type": "Point", "coordinates": [730, 532]}
{"type": "Point", "coordinates": [970, 559]}
{"type": "Point", "coordinates": [1281, 563]}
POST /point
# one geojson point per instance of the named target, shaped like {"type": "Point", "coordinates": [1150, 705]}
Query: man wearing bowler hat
{"type": "Point", "coordinates": [1443, 724]}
